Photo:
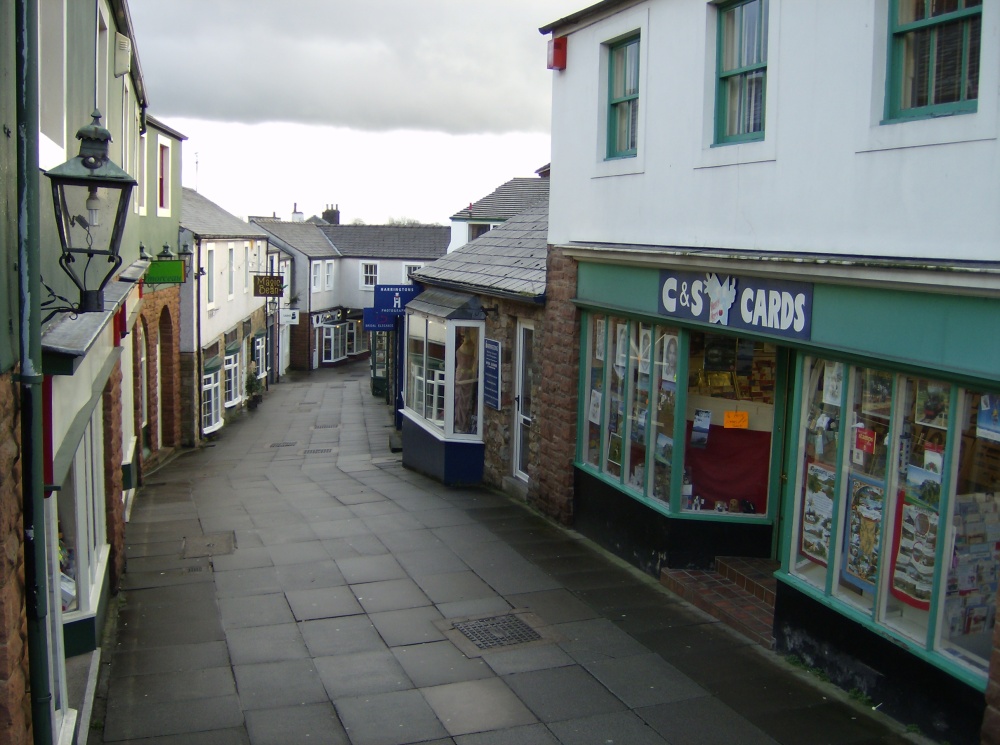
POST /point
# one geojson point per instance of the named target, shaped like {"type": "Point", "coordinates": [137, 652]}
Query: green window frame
{"type": "Point", "coordinates": [934, 58]}
{"type": "Point", "coordinates": [741, 62]}
{"type": "Point", "coordinates": [623, 98]}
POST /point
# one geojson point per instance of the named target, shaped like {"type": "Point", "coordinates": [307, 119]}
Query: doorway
{"type": "Point", "coordinates": [522, 397]}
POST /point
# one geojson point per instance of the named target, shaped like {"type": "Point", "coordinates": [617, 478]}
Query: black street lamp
{"type": "Point", "coordinates": [90, 196]}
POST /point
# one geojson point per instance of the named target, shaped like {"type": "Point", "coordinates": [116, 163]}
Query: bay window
{"type": "Point", "coordinates": [896, 514]}
{"type": "Point", "coordinates": [232, 379]}
{"type": "Point", "coordinates": [211, 397]}
{"type": "Point", "coordinates": [444, 372]}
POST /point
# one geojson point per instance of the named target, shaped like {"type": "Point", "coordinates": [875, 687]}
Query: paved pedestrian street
{"type": "Point", "coordinates": [292, 583]}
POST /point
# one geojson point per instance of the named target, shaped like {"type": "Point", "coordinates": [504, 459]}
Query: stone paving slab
{"type": "Point", "coordinates": [327, 621]}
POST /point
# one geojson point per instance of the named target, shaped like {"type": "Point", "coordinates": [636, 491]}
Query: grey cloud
{"type": "Point", "coordinates": [457, 66]}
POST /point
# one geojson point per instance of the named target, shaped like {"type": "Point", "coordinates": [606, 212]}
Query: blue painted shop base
{"type": "Point", "coordinates": [451, 463]}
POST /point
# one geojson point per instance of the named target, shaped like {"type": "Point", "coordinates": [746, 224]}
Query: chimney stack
{"type": "Point", "coordinates": [296, 215]}
{"type": "Point", "coordinates": [332, 214]}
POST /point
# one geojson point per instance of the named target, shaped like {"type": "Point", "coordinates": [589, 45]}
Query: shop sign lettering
{"type": "Point", "coordinates": [766, 306]}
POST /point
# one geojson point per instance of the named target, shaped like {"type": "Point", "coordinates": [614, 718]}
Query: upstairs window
{"type": "Point", "coordinates": [623, 98]}
{"type": "Point", "coordinates": [163, 178]}
{"type": "Point", "coordinates": [369, 275]}
{"type": "Point", "coordinates": [934, 57]}
{"type": "Point", "coordinates": [317, 269]}
{"type": "Point", "coordinates": [328, 282]}
{"type": "Point", "coordinates": [742, 71]}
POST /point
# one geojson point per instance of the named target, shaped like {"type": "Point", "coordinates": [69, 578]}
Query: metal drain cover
{"type": "Point", "coordinates": [474, 636]}
{"type": "Point", "coordinates": [497, 631]}
{"type": "Point", "coordinates": [316, 451]}
{"type": "Point", "coordinates": [283, 444]}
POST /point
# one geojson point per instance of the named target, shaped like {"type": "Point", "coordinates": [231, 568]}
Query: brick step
{"type": "Point", "coordinates": [740, 593]}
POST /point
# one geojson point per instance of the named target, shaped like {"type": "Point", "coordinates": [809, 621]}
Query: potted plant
{"type": "Point", "coordinates": [255, 388]}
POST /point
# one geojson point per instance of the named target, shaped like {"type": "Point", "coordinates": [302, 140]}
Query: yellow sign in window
{"type": "Point", "coordinates": [736, 420]}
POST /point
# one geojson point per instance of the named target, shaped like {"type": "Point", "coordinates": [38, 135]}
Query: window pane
{"type": "Point", "coordinates": [596, 345]}
{"type": "Point", "coordinates": [466, 380]}
{"type": "Point", "coordinates": [940, 7]}
{"type": "Point", "coordinates": [640, 369]}
{"type": "Point", "coordinates": [626, 126]}
{"type": "Point", "coordinates": [865, 453]}
{"type": "Point", "coordinates": [912, 10]}
{"type": "Point", "coordinates": [435, 389]}
{"type": "Point", "coordinates": [727, 468]}
{"type": "Point", "coordinates": [916, 69]}
{"type": "Point", "coordinates": [948, 64]}
{"type": "Point", "coordinates": [731, 22]}
{"type": "Point", "coordinates": [820, 435]}
{"type": "Point", "coordinates": [416, 328]}
{"type": "Point", "coordinates": [972, 69]}
{"type": "Point", "coordinates": [665, 382]}
{"type": "Point", "coordinates": [750, 47]}
{"type": "Point", "coordinates": [970, 603]}
{"type": "Point", "coordinates": [914, 547]}
{"type": "Point", "coordinates": [618, 327]}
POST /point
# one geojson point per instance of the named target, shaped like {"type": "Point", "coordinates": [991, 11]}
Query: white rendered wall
{"type": "Point", "coordinates": [827, 178]}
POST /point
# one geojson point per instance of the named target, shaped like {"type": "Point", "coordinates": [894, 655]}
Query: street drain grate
{"type": "Point", "coordinates": [325, 426]}
{"type": "Point", "coordinates": [317, 451]}
{"type": "Point", "coordinates": [283, 444]}
{"type": "Point", "coordinates": [497, 631]}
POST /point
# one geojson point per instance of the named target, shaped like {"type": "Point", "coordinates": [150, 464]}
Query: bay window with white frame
{"type": "Point", "coordinates": [444, 375]}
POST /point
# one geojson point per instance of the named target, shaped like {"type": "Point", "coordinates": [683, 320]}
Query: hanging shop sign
{"type": "Point", "coordinates": [393, 298]}
{"type": "Point", "coordinates": [767, 306]}
{"type": "Point", "coordinates": [377, 320]}
{"type": "Point", "coordinates": [268, 285]}
{"type": "Point", "coordinates": [288, 316]}
{"type": "Point", "coordinates": [491, 374]}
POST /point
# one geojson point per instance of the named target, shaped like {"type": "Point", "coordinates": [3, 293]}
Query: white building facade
{"type": "Point", "coordinates": [783, 221]}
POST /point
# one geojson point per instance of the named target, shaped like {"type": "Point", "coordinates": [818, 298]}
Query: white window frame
{"type": "Point", "coordinates": [260, 355]}
{"type": "Point", "coordinates": [317, 271]}
{"type": "Point", "coordinates": [408, 269]}
{"type": "Point", "coordinates": [365, 274]}
{"type": "Point", "coordinates": [231, 271]}
{"type": "Point", "coordinates": [211, 402]}
{"type": "Point", "coordinates": [164, 156]}
{"type": "Point", "coordinates": [246, 267]}
{"type": "Point", "coordinates": [232, 394]}
{"type": "Point", "coordinates": [442, 384]}
{"type": "Point", "coordinates": [140, 175]}
{"type": "Point", "coordinates": [328, 275]}
{"type": "Point", "coordinates": [333, 342]}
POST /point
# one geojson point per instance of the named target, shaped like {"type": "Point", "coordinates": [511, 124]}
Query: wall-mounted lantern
{"type": "Point", "coordinates": [90, 196]}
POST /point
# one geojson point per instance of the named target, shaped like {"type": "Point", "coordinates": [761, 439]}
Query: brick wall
{"type": "Point", "coordinates": [160, 316]}
{"type": "Point", "coordinates": [15, 704]}
{"type": "Point", "coordinates": [498, 432]}
{"type": "Point", "coordinates": [190, 390]}
{"type": "Point", "coordinates": [111, 403]}
{"type": "Point", "coordinates": [557, 345]}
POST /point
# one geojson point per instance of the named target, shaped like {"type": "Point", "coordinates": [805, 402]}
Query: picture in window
{"type": "Point", "coordinates": [932, 404]}
{"type": "Point", "coordinates": [817, 513]}
{"type": "Point", "coordinates": [864, 527]}
{"type": "Point", "coordinates": [669, 373]}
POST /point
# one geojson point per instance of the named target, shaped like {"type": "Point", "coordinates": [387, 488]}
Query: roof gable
{"type": "Point", "coordinates": [206, 219]}
{"type": "Point", "coordinates": [304, 237]}
{"type": "Point", "coordinates": [425, 242]}
{"type": "Point", "coordinates": [506, 200]}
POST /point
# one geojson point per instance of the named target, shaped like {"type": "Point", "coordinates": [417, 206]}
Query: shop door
{"type": "Point", "coordinates": [522, 398]}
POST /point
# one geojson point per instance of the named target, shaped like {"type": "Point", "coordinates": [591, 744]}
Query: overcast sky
{"type": "Point", "coordinates": [387, 108]}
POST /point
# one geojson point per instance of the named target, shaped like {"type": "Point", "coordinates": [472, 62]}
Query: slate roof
{"type": "Point", "coordinates": [305, 237]}
{"type": "Point", "coordinates": [206, 219]}
{"type": "Point", "coordinates": [426, 242]}
{"type": "Point", "coordinates": [508, 261]}
{"type": "Point", "coordinates": [506, 200]}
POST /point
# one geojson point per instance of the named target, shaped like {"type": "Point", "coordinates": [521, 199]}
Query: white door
{"type": "Point", "coordinates": [522, 397]}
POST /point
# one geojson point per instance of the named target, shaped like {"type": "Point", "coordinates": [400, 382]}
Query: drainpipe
{"type": "Point", "coordinates": [31, 378]}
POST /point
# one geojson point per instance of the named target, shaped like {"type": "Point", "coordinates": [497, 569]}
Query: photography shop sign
{"type": "Point", "coordinates": [764, 306]}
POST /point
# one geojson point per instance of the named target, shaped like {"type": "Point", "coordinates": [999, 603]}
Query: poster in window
{"type": "Point", "coordinates": [720, 353]}
{"type": "Point", "coordinates": [817, 513]}
{"type": "Point", "coordinates": [833, 383]}
{"type": "Point", "coordinates": [594, 414]}
{"type": "Point", "coordinates": [932, 404]}
{"type": "Point", "coordinates": [988, 418]}
{"type": "Point", "coordinates": [913, 550]}
{"type": "Point", "coordinates": [864, 528]}
{"type": "Point", "coordinates": [645, 347]}
{"type": "Point", "coordinates": [621, 345]}
{"type": "Point", "coordinates": [669, 358]}
{"type": "Point", "coordinates": [700, 427]}
{"type": "Point", "coordinates": [876, 396]}
{"type": "Point", "coordinates": [599, 335]}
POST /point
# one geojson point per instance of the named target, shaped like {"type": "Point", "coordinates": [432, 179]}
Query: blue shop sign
{"type": "Point", "coordinates": [393, 298]}
{"type": "Point", "coordinates": [765, 306]}
{"type": "Point", "coordinates": [376, 320]}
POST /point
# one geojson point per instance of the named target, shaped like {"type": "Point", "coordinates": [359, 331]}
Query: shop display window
{"type": "Point", "coordinates": [615, 417]}
{"type": "Point", "coordinates": [968, 613]}
{"type": "Point", "coordinates": [729, 419]}
{"type": "Point", "coordinates": [896, 508]}
{"type": "Point", "coordinates": [596, 346]}
{"type": "Point", "coordinates": [665, 362]}
{"type": "Point", "coordinates": [444, 364]}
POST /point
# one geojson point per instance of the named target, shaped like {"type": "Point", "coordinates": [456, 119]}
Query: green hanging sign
{"type": "Point", "coordinates": [165, 272]}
